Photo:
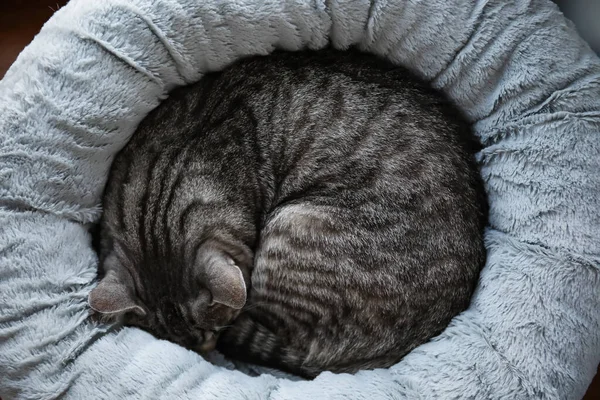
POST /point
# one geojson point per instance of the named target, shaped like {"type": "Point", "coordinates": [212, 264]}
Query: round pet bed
{"type": "Point", "coordinates": [518, 70]}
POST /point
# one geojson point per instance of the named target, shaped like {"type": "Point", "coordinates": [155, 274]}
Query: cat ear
{"type": "Point", "coordinates": [224, 279]}
{"type": "Point", "coordinates": [112, 296]}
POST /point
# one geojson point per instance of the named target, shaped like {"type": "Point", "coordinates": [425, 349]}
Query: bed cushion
{"type": "Point", "coordinates": [518, 70]}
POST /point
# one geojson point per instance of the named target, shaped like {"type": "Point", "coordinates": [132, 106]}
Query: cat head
{"type": "Point", "coordinates": [186, 305]}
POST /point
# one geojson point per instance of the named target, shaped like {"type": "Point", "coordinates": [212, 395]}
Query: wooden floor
{"type": "Point", "coordinates": [20, 21]}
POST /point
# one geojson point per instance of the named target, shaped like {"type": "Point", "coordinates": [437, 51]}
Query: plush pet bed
{"type": "Point", "coordinates": [528, 83]}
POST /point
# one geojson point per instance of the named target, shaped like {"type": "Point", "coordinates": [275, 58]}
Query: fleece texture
{"type": "Point", "coordinates": [518, 70]}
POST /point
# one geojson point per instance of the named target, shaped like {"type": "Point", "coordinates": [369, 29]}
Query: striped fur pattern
{"type": "Point", "coordinates": [313, 211]}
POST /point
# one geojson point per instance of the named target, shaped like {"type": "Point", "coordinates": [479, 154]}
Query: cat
{"type": "Point", "coordinates": [308, 211]}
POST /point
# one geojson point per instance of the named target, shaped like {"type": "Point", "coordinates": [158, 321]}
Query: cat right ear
{"type": "Point", "coordinates": [223, 278]}
{"type": "Point", "coordinates": [113, 296]}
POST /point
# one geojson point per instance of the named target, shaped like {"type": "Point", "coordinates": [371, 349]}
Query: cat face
{"type": "Point", "coordinates": [194, 324]}
{"type": "Point", "coordinates": [189, 308]}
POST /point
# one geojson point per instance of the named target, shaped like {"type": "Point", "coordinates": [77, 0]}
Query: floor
{"type": "Point", "coordinates": [21, 20]}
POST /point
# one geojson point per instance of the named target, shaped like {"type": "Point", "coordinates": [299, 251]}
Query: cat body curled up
{"type": "Point", "coordinates": [306, 211]}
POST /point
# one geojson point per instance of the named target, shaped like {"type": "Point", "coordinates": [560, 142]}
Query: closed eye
{"type": "Point", "coordinates": [186, 314]}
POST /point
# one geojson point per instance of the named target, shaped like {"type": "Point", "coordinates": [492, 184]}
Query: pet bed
{"type": "Point", "coordinates": [518, 70]}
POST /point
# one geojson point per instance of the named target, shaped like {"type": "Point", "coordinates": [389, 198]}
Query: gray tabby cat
{"type": "Point", "coordinates": [314, 211]}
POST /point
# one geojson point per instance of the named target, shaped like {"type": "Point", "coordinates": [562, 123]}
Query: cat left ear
{"type": "Point", "coordinates": [112, 296]}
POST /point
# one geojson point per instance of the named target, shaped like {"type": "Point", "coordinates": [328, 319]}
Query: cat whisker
{"type": "Point", "coordinates": [253, 306]}
{"type": "Point", "coordinates": [220, 328]}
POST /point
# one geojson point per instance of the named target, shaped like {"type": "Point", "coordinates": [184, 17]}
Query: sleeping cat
{"type": "Point", "coordinates": [312, 211]}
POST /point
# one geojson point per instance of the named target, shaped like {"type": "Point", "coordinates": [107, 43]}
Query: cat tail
{"type": "Point", "coordinates": [251, 341]}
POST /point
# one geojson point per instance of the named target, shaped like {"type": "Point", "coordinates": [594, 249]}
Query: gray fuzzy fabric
{"type": "Point", "coordinates": [524, 78]}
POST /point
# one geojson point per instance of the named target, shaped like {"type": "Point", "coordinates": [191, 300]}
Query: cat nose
{"type": "Point", "coordinates": [209, 343]}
